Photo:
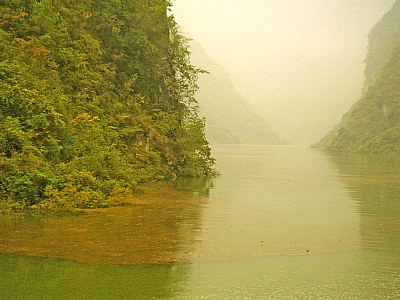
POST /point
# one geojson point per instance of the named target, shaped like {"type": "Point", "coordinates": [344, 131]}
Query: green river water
{"type": "Point", "coordinates": [281, 222]}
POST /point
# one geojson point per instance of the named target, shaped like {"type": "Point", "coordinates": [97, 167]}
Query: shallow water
{"type": "Point", "coordinates": [282, 222]}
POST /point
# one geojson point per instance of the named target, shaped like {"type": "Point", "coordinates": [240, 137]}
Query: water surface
{"type": "Point", "coordinates": [282, 222]}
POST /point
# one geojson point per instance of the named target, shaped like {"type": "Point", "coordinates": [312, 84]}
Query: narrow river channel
{"type": "Point", "coordinates": [281, 222]}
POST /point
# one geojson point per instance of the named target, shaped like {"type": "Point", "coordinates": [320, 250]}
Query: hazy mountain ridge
{"type": "Point", "coordinates": [372, 126]}
{"type": "Point", "coordinates": [383, 40]}
{"type": "Point", "coordinates": [230, 119]}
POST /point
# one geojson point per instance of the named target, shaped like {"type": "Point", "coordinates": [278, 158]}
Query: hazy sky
{"type": "Point", "coordinates": [300, 62]}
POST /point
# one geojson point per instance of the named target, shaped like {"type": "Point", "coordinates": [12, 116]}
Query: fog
{"type": "Point", "coordinates": [299, 62]}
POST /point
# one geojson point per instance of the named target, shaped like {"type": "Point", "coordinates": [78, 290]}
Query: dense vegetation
{"type": "Point", "coordinates": [372, 126]}
{"type": "Point", "coordinates": [96, 96]}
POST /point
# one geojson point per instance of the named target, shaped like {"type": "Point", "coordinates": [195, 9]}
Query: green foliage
{"type": "Point", "coordinates": [95, 98]}
{"type": "Point", "coordinates": [372, 126]}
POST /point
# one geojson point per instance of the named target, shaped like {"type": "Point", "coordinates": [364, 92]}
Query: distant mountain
{"type": "Point", "coordinates": [372, 126]}
{"type": "Point", "coordinates": [230, 119]}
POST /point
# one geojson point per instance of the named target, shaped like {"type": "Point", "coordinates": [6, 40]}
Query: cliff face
{"type": "Point", "coordinates": [372, 126]}
{"type": "Point", "coordinates": [230, 118]}
{"type": "Point", "coordinates": [383, 40]}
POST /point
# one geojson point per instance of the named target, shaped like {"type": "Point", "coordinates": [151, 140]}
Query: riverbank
{"type": "Point", "coordinates": [123, 197]}
{"type": "Point", "coordinates": [141, 232]}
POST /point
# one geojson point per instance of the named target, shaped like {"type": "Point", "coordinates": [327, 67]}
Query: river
{"type": "Point", "coordinates": [281, 222]}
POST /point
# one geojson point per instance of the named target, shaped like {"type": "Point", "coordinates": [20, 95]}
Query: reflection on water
{"type": "Point", "coordinates": [162, 228]}
{"type": "Point", "coordinates": [276, 200]}
{"type": "Point", "coordinates": [195, 186]}
{"type": "Point", "coordinates": [282, 222]}
{"type": "Point", "coordinates": [375, 187]}
{"type": "Point", "coordinates": [35, 278]}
